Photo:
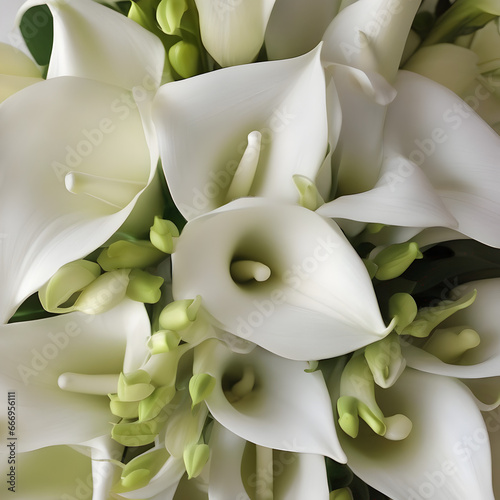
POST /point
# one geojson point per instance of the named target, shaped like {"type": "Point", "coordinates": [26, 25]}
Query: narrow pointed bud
{"type": "Point", "coordinates": [134, 386]}
{"type": "Point", "coordinates": [403, 308]}
{"type": "Point", "coordinates": [151, 406]}
{"type": "Point", "coordinates": [244, 176]}
{"type": "Point", "coordinates": [123, 409]}
{"type": "Point", "coordinates": [395, 260]}
{"type": "Point", "coordinates": [144, 287]}
{"type": "Point", "coordinates": [429, 317]}
{"type": "Point", "coordinates": [385, 360]}
{"type": "Point", "coordinates": [184, 58]}
{"type": "Point", "coordinates": [179, 314]}
{"type": "Point", "coordinates": [201, 386]}
{"type": "Point", "coordinates": [169, 14]}
{"type": "Point", "coordinates": [67, 281]}
{"type": "Point", "coordinates": [129, 255]}
{"type": "Point", "coordinates": [450, 344]}
{"type": "Point", "coordinates": [104, 293]}
{"type": "Point", "coordinates": [163, 341]}
{"type": "Point", "coordinates": [163, 234]}
{"type": "Point", "coordinates": [309, 196]}
{"type": "Point", "coordinates": [195, 458]}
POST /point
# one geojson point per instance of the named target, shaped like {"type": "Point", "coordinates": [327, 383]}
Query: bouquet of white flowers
{"type": "Point", "coordinates": [249, 249]}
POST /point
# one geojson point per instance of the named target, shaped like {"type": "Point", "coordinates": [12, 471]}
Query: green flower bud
{"type": "Point", "coordinates": [195, 458]}
{"type": "Point", "coordinates": [395, 260]}
{"type": "Point", "coordinates": [184, 58]}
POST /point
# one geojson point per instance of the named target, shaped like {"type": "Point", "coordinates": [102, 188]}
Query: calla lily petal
{"type": "Point", "coordinates": [444, 456]}
{"type": "Point", "coordinates": [492, 420]}
{"type": "Point", "coordinates": [77, 343]}
{"type": "Point", "coordinates": [93, 41]}
{"type": "Point", "coordinates": [233, 32]}
{"type": "Point", "coordinates": [394, 200]}
{"type": "Point", "coordinates": [206, 125]}
{"type": "Point", "coordinates": [272, 399]}
{"type": "Point", "coordinates": [481, 361]}
{"type": "Point", "coordinates": [317, 283]}
{"type": "Point", "coordinates": [296, 475]}
{"type": "Point", "coordinates": [370, 35]}
{"type": "Point", "coordinates": [456, 150]}
{"type": "Point", "coordinates": [91, 156]}
{"type": "Point", "coordinates": [296, 27]}
{"type": "Point", "coordinates": [48, 473]}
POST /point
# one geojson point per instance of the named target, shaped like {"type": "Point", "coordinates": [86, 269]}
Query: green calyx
{"type": "Point", "coordinates": [404, 309]}
{"type": "Point", "coordinates": [163, 341]}
{"type": "Point", "coordinates": [135, 386]}
{"type": "Point", "coordinates": [195, 458]}
{"type": "Point", "coordinates": [395, 260]}
{"type": "Point", "coordinates": [123, 409]}
{"type": "Point", "coordinates": [130, 255]}
{"type": "Point", "coordinates": [428, 318]}
{"type": "Point", "coordinates": [385, 360]}
{"type": "Point", "coordinates": [151, 407]}
{"type": "Point", "coordinates": [163, 234]}
{"type": "Point", "coordinates": [135, 433]}
{"type": "Point", "coordinates": [201, 386]}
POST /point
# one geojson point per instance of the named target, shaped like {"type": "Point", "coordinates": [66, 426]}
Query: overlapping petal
{"type": "Point", "coordinates": [203, 125]}
{"type": "Point", "coordinates": [93, 41]}
{"type": "Point", "coordinates": [318, 301]}
{"type": "Point", "coordinates": [298, 424]}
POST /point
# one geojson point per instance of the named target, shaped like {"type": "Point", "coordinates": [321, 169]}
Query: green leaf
{"type": "Point", "coordinates": [38, 31]}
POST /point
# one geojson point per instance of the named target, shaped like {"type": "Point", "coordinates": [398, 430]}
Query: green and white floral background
{"type": "Point", "coordinates": [249, 249]}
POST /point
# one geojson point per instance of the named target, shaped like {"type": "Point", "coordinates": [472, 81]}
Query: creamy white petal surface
{"type": "Point", "coordinates": [445, 457]}
{"type": "Point", "coordinates": [233, 32]}
{"type": "Point", "coordinates": [36, 353]}
{"type": "Point", "coordinates": [294, 475]}
{"type": "Point", "coordinates": [203, 125]}
{"type": "Point", "coordinates": [287, 409]}
{"type": "Point", "coordinates": [318, 301]}
{"type": "Point", "coordinates": [454, 147]}
{"type": "Point", "coordinates": [60, 135]}
{"type": "Point", "coordinates": [296, 27]}
{"type": "Point", "coordinates": [481, 316]}
{"type": "Point", "coordinates": [93, 41]}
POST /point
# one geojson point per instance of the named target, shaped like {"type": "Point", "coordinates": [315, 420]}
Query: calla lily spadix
{"type": "Point", "coordinates": [449, 144]}
{"type": "Point", "coordinates": [76, 151]}
{"type": "Point", "coordinates": [233, 32]}
{"type": "Point", "coordinates": [244, 130]}
{"type": "Point", "coordinates": [262, 387]}
{"type": "Point", "coordinates": [280, 276]}
{"type": "Point", "coordinates": [288, 475]}
{"type": "Point", "coordinates": [447, 453]}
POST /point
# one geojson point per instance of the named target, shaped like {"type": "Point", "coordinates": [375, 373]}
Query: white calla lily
{"type": "Point", "coordinates": [250, 127]}
{"type": "Point", "coordinates": [233, 32]}
{"type": "Point", "coordinates": [445, 457]}
{"type": "Point", "coordinates": [289, 475]}
{"type": "Point", "coordinates": [75, 153]}
{"type": "Point", "coordinates": [305, 294]}
{"type": "Point", "coordinates": [261, 387]}
{"type": "Point", "coordinates": [75, 343]}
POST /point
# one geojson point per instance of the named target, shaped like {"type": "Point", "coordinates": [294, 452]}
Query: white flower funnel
{"type": "Point", "coordinates": [447, 454]}
{"type": "Point", "coordinates": [268, 400]}
{"type": "Point", "coordinates": [37, 353]}
{"type": "Point", "coordinates": [318, 301]}
{"type": "Point", "coordinates": [260, 123]}
{"type": "Point", "coordinates": [233, 32]}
